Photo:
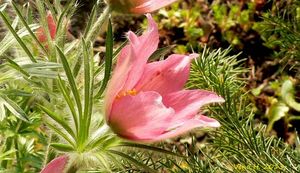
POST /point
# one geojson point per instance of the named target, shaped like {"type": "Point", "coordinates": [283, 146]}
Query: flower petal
{"type": "Point", "coordinates": [141, 49]}
{"type": "Point", "coordinates": [150, 6]}
{"type": "Point", "coordinates": [117, 81]}
{"type": "Point", "coordinates": [140, 117]}
{"type": "Point", "coordinates": [187, 103]}
{"type": "Point", "coordinates": [57, 165]}
{"type": "Point", "coordinates": [165, 76]}
{"type": "Point", "coordinates": [131, 62]}
{"type": "Point", "coordinates": [186, 126]}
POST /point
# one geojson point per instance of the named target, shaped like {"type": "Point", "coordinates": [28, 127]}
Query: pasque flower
{"type": "Point", "coordinates": [138, 6]}
{"type": "Point", "coordinates": [147, 101]}
{"type": "Point", "coordinates": [41, 32]}
{"type": "Point", "coordinates": [57, 165]}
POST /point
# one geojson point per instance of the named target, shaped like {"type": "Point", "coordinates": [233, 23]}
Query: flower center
{"type": "Point", "coordinates": [132, 92]}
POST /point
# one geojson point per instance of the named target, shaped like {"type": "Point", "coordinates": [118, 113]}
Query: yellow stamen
{"type": "Point", "coordinates": [132, 92]}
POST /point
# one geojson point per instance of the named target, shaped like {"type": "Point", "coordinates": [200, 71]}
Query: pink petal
{"type": "Point", "coordinates": [141, 48]}
{"type": "Point", "coordinates": [150, 6]}
{"type": "Point", "coordinates": [117, 81]}
{"type": "Point", "coordinates": [186, 126]}
{"type": "Point", "coordinates": [131, 62]}
{"type": "Point", "coordinates": [187, 103]}
{"type": "Point", "coordinates": [140, 117]}
{"type": "Point", "coordinates": [57, 165]}
{"type": "Point", "coordinates": [165, 76]}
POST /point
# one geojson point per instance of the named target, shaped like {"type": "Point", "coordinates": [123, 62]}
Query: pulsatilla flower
{"type": "Point", "coordinates": [147, 102]}
{"type": "Point", "coordinates": [41, 32]}
{"type": "Point", "coordinates": [57, 165]}
{"type": "Point", "coordinates": [138, 6]}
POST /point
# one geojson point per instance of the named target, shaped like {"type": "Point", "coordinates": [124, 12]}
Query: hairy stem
{"type": "Point", "coordinates": [98, 24]}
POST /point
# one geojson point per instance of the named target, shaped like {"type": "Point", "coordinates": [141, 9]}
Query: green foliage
{"type": "Point", "coordinates": [280, 30]}
{"type": "Point", "coordinates": [191, 23]}
{"type": "Point", "coordinates": [287, 93]}
{"type": "Point", "coordinates": [282, 105]}
{"type": "Point", "coordinates": [241, 144]}
{"type": "Point", "coordinates": [45, 85]}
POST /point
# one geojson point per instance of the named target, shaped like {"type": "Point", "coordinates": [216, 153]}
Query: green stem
{"type": "Point", "coordinates": [97, 26]}
{"type": "Point", "coordinates": [47, 151]}
{"type": "Point", "coordinates": [293, 118]}
{"type": "Point", "coordinates": [8, 146]}
{"type": "Point", "coordinates": [72, 169]}
{"type": "Point", "coordinates": [18, 162]}
{"type": "Point", "coordinates": [91, 36]}
{"type": "Point", "coordinates": [83, 125]}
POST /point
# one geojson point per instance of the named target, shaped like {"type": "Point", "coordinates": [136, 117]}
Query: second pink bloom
{"type": "Point", "coordinates": [138, 6]}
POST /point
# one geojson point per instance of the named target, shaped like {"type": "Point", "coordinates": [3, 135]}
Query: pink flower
{"type": "Point", "coordinates": [147, 101]}
{"type": "Point", "coordinates": [41, 33]}
{"type": "Point", "coordinates": [138, 6]}
{"type": "Point", "coordinates": [57, 165]}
